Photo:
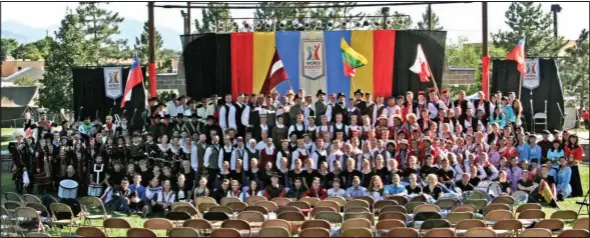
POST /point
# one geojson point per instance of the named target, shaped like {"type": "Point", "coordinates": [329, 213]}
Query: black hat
{"type": "Point", "coordinates": [320, 92]}
{"type": "Point", "coordinates": [556, 131]}
{"type": "Point", "coordinates": [358, 91]}
{"type": "Point", "coordinates": [296, 97]}
{"type": "Point", "coordinates": [161, 104]}
{"type": "Point", "coordinates": [546, 132]}
{"type": "Point", "coordinates": [274, 174]}
{"type": "Point", "coordinates": [534, 160]}
{"type": "Point", "coordinates": [504, 98]}
{"type": "Point", "coordinates": [180, 115]}
{"type": "Point", "coordinates": [210, 117]}
{"type": "Point", "coordinates": [195, 115]}
{"type": "Point", "coordinates": [166, 116]}
{"type": "Point", "coordinates": [181, 97]}
{"type": "Point", "coordinates": [340, 95]}
{"type": "Point", "coordinates": [42, 113]}
{"type": "Point", "coordinates": [153, 99]}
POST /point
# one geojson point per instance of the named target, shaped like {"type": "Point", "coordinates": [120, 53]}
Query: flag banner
{"type": "Point", "coordinates": [351, 59]}
{"type": "Point", "coordinates": [421, 66]}
{"type": "Point", "coordinates": [312, 64]}
{"type": "Point", "coordinates": [113, 86]}
{"type": "Point", "coordinates": [276, 74]}
{"type": "Point", "coordinates": [134, 78]}
{"type": "Point", "coordinates": [531, 79]}
{"type": "Point", "coordinates": [485, 75]}
{"type": "Point", "coordinates": [517, 54]}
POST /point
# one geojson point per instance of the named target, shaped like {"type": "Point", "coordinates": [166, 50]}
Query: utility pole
{"type": "Point", "coordinates": [188, 17]}
{"type": "Point", "coordinates": [385, 13]}
{"type": "Point", "coordinates": [484, 28]}
{"type": "Point", "coordinates": [430, 25]}
{"type": "Point", "coordinates": [152, 56]}
{"type": "Point", "coordinates": [555, 8]}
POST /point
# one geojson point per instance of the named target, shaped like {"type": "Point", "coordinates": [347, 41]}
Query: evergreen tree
{"type": "Point", "coordinates": [526, 19]}
{"type": "Point", "coordinates": [575, 70]}
{"type": "Point", "coordinates": [423, 25]}
{"type": "Point", "coordinates": [163, 56]}
{"type": "Point", "coordinates": [43, 45]}
{"type": "Point", "coordinates": [100, 27]}
{"type": "Point", "coordinates": [67, 51]}
{"type": "Point", "coordinates": [210, 17]}
{"type": "Point", "coordinates": [27, 52]}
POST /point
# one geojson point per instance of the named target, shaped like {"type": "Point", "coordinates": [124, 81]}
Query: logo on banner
{"type": "Point", "coordinates": [532, 78]}
{"type": "Point", "coordinates": [313, 59]}
{"type": "Point", "coordinates": [112, 82]}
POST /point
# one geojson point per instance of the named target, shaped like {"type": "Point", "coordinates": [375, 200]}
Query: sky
{"type": "Point", "coordinates": [463, 19]}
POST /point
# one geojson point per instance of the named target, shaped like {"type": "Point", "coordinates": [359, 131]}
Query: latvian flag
{"type": "Point", "coordinates": [276, 74]}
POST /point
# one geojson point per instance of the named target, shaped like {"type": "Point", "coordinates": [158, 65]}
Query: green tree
{"type": "Point", "coordinates": [101, 27]}
{"type": "Point", "coordinates": [67, 51]}
{"type": "Point", "coordinates": [527, 20]}
{"type": "Point", "coordinates": [27, 52]}
{"type": "Point", "coordinates": [7, 46]}
{"type": "Point", "coordinates": [423, 25]}
{"type": "Point", "coordinates": [25, 81]}
{"type": "Point", "coordinates": [43, 45]}
{"type": "Point", "coordinates": [575, 70]}
{"type": "Point", "coordinates": [460, 53]}
{"type": "Point", "coordinates": [210, 17]}
{"type": "Point", "coordinates": [163, 56]}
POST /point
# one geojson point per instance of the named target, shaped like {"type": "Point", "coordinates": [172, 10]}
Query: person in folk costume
{"type": "Point", "coordinates": [59, 166]}
{"type": "Point", "coordinates": [85, 128]}
{"type": "Point", "coordinates": [274, 189]}
{"type": "Point", "coordinates": [402, 154]}
{"type": "Point", "coordinates": [320, 107]}
{"type": "Point", "coordinates": [109, 127]}
{"type": "Point", "coordinates": [194, 125]}
{"type": "Point", "coordinates": [308, 110]}
{"type": "Point", "coordinates": [119, 151]}
{"type": "Point", "coordinates": [381, 125]}
{"type": "Point", "coordinates": [284, 152]}
{"type": "Point", "coordinates": [365, 128]}
{"type": "Point", "coordinates": [320, 154]}
{"type": "Point", "coordinates": [467, 120]}
{"type": "Point", "coordinates": [354, 125]}
{"type": "Point", "coordinates": [250, 117]}
{"type": "Point", "coordinates": [280, 131]}
{"type": "Point", "coordinates": [446, 98]}
{"type": "Point", "coordinates": [224, 112]}
{"type": "Point", "coordinates": [353, 110]}
{"type": "Point", "coordinates": [43, 124]}
{"type": "Point", "coordinates": [424, 120]}
{"type": "Point", "coordinates": [295, 110]}
{"type": "Point", "coordinates": [338, 126]}
{"type": "Point", "coordinates": [179, 125]}
{"type": "Point", "coordinates": [123, 126]}
{"type": "Point", "coordinates": [80, 159]}
{"type": "Point", "coordinates": [43, 167]}
{"type": "Point", "coordinates": [298, 128]}
{"type": "Point", "coordinates": [250, 152]}
{"type": "Point", "coordinates": [324, 127]}
{"type": "Point", "coordinates": [340, 108]}
{"type": "Point", "coordinates": [375, 109]}
{"type": "Point", "coordinates": [483, 104]}
{"type": "Point", "coordinates": [301, 153]}
{"type": "Point", "coordinates": [23, 161]}
{"type": "Point", "coordinates": [392, 108]}
{"type": "Point", "coordinates": [192, 108]}
{"type": "Point", "coordinates": [212, 158]}
{"type": "Point", "coordinates": [268, 154]}
{"type": "Point", "coordinates": [261, 127]}
{"type": "Point", "coordinates": [198, 153]}
{"type": "Point", "coordinates": [358, 98]}
{"type": "Point", "coordinates": [275, 96]}
{"type": "Point", "coordinates": [312, 130]}
{"type": "Point", "coordinates": [239, 153]}
{"type": "Point", "coordinates": [336, 154]}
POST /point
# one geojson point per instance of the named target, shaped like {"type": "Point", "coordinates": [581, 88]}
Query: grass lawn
{"type": "Point", "coordinates": [6, 137]}
{"type": "Point", "coordinates": [569, 204]}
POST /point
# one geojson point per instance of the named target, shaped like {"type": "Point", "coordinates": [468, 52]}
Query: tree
{"type": "Point", "coordinates": [7, 46]}
{"type": "Point", "coordinates": [527, 20]}
{"type": "Point", "coordinates": [574, 70]}
{"type": "Point", "coordinates": [100, 27]}
{"type": "Point", "coordinates": [67, 50]}
{"type": "Point", "coordinates": [284, 13]}
{"type": "Point", "coordinates": [210, 17]}
{"type": "Point", "coordinates": [43, 45]}
{"type": "Point", "coordinates": [25, 81]}
{"type": "Point", "coordinates": [423, 25]}
{"type": "Point", "coordinates": [163, 56]}
{"type": "Point", "coordinates": [27, 51]}
{"type": "Point", "coordinates": [462, 54]}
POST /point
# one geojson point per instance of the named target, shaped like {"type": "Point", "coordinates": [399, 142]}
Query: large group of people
{"type": "Point", "coordinates": [291, 146]}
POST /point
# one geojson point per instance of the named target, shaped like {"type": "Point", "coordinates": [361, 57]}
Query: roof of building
{"type": "Point", "coordinates": [33, 73]}
{"type": "Point", "coordinates": [19, 96]}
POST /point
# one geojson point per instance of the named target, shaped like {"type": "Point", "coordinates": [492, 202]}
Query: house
{"type": "Point", "coordinates": [10, 67]}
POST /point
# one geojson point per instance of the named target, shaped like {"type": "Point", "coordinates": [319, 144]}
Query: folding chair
{"type": "Point", "coordinates": [63, 208]}
{"type": "Point", "coordinates": [89, 204]}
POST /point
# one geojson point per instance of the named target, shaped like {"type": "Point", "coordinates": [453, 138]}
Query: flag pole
{"type": "Point", "coordinates": [520, 87]}
{"type": "Point", "coordinates": [290, 84]}
{"type": "Point", "coordinates": [436, 87]}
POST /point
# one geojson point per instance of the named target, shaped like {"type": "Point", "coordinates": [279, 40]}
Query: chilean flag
{"type": "Point", "coordinates": [134, 78]}
{"type": "Point", "coordinates": [517, 54]}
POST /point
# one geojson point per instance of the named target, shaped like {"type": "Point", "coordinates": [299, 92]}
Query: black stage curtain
{"type": "Point", "coordinates": [506, 78]}
{"type": "Point", "coordinates": [223, 64]}
{"type": "Point", "coordinates": [200, 63]}
{"type": "Point", "coordinates": [89, 92]}
{"type": "Point", "coordinates": [433, 44]}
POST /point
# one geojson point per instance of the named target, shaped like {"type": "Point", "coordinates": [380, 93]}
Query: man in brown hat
{"type": "Point", "coordinates": [358, 96]}
{"type": "Point", "coordinates": [320, 106]}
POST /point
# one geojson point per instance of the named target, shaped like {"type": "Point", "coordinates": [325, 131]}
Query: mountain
{"type": "Point", "coordinates": [129, 30]}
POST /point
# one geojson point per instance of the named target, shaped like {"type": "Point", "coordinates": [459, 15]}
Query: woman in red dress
{"type": "Point", "coordinates": [574, 153]}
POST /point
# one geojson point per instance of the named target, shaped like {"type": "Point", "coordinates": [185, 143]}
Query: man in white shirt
{"type": "Point", "coordinates": [181, 107]}
{"type": "Point", "coordinates": [196, 150]}
{"type": "Point", "coordinates": [235, 114]}
{"type": "Point", "coordinates": [212, 156]}
{"type": "Point", "coordinates": [172, 105]}
{"type": "Point", "coordinates": [224, 117]}
{"type": "Point", "coordinates": [239, 153]}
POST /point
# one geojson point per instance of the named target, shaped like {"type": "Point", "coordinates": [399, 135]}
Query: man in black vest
{"type": "Point", "coordinates": [340, 107]}
{"type": "Point", "coordinates": [358, 95]}
{"type": "Point", "coordinates": [461, 102]}
{"type": "Point", "coordinates": [224, 112]}
{"type": "Point", "coordinates": [251, 114]}
{"type": "Point", "coordinates": [482, 104]}
{"type": "Point", "coordinates": [271, 111]}
{"type": "Point", "coordinates": [374, 110]}
{"type": "Point", "coordinates": [295, 109]}
{"type": "Point", "coordinates": [320, 106]}
{"type": "Point", "coordinates": [235, 115]}
{"type": "Point", "coordinates": [308, 110]}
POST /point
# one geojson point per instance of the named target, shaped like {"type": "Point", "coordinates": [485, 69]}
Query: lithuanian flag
{"type": "Point", "coordinates": [351, 59]}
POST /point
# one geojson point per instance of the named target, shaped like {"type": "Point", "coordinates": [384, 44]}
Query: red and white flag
{"type": "Point", "coordinates": [421, 66]}
{"type": "Point", "coordinates": [134, 78]}
{"type": "Point", "coordinates": [276, 74]}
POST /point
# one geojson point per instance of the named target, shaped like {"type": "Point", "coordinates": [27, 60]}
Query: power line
{"type": "Point", "coordinates": [232, 6]}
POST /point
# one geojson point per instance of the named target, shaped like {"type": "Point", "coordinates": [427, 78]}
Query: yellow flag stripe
{"type": "Point", "coordinates": [264, 44]}
{"type": "Point", "coordinates": [362, 43]}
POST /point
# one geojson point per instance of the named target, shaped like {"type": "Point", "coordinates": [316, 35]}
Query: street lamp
{"type": "Point", "coordinates": [555, 8]}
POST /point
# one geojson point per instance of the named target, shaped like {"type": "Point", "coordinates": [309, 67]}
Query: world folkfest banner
{"type": "Point", "coordinates": [313, 60]}
{"type": "Point", "coordinates": [113, 84]}
{"type": "Point", "coordinates": [532, 78]}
